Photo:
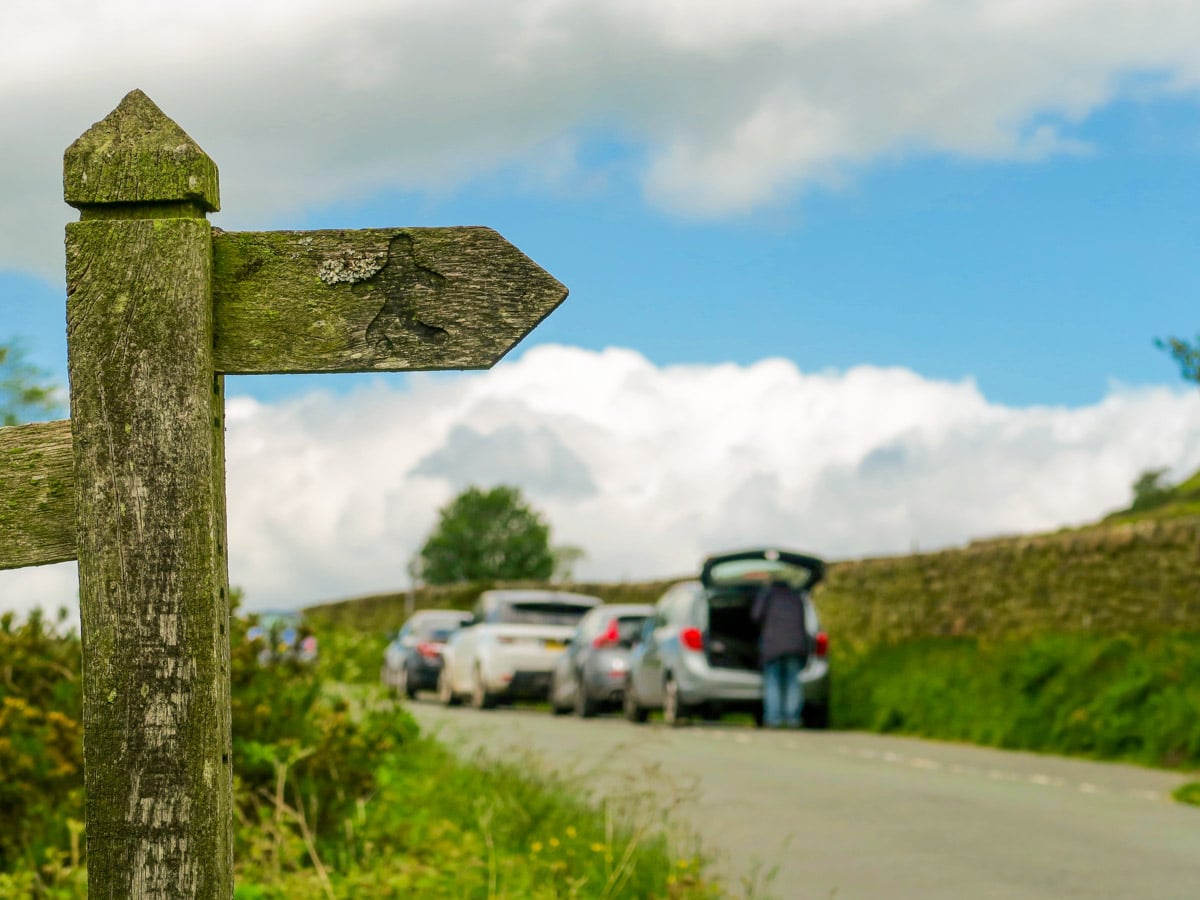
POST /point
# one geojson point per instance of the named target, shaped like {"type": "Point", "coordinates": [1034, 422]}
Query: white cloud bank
{"type": "Point", "coordinates": [649, 468]}
{"type": "Point", "coordinates": [728, 106]}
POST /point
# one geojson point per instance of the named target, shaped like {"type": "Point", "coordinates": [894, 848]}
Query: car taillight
{"type": "Point", "coordinates": [427, 650]}
{"type": "Point", "coordinates": [821, 646]}
{"type": "Point", "coordinates": [610, 638]}
{"type": "Point", "coordinates": [692, 639]}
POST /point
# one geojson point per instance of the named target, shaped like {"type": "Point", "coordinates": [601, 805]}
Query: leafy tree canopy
{"type": "Point", "coordinates": [24, 395]}
{"type": "Point", "coordinates": [1185, 354]}
{"type": "Point", "coordinates": [484, 535]}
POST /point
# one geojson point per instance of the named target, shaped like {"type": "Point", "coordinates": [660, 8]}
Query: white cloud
{"type": "Point", "coordinates": [650, 468]}
{"type": "Point", "coordinates": [731, 105]}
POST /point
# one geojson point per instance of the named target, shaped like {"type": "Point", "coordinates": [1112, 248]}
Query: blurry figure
{"type": "Point", "coordinates": [779, 613]}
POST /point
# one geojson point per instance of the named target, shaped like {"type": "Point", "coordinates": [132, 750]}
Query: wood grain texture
{"type": "Point", "coordinates": [373, 300]}
{"type": "Point", "coordinates": [148, 435]}
{"type": "Point", "coordinates": [37, 495]}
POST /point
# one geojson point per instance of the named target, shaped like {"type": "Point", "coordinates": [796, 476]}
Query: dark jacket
{"type": "Point", "coordinates": [779, 612]}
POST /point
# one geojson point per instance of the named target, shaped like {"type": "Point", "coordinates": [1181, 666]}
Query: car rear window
{"type": "Point", "coordinates": [439, 633]}
{"type": "Point", "coordinates": [540, 614]}
{"type": "Point", "coordinates": [630, 629]}
{"type": "Point", "coordinates": [758, 571]}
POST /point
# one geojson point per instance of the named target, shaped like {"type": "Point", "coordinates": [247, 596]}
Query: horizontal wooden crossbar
{"type": "Point", "coordinates": [37, 495]}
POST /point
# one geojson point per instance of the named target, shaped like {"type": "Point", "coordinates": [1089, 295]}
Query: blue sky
{"type": "Point", "coordinates": [938, 247]}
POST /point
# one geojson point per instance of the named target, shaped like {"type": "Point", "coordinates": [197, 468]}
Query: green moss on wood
{"type": "Point", "coordinates": [137, 155]}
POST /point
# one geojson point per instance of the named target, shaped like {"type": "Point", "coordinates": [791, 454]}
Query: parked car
{"type": "Point", "coordinates": [590, 675]}
{"type": "Point", "coordinates": [699, 653]}
{"type": "Point", "coordinates": [413, 660]}
{"type": "Point", "coordinates": [282, 634]}
{"type": "Point", "coordinates": [510, 646]}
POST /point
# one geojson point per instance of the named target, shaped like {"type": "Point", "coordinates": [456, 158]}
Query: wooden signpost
{"type": "Point", "coordinates": [160, 306]}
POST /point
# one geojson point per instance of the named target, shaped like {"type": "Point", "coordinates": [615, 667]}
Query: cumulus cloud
{"type": "Point", "coordinates": [650, 468]}
{"type": "Point", "coordinates": [727, 106]}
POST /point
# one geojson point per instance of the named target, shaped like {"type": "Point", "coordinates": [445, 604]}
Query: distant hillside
{"type": "Point", "coordinates": [1181, 500]}
{"type": "Point", "coordinates": [1137, 576]}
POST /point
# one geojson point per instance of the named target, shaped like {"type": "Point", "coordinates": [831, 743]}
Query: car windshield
{"type": "Point", "coordinates": [540, 613]}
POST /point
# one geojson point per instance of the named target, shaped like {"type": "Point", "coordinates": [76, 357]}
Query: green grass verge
{"type": "Point", "coordinates": [1188, 793]}
{"type": "Point", "coordinates": [1108, 697]}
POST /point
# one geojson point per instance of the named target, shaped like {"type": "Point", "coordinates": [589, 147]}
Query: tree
{"type": "Point", "coordinates": [487, 535]}
{"type": "Point", "coordinates": [1186, 355]}
{"type": "Point", "coordinates": [23, 392]}
{"type": "Point", "coordinates": [1149, 492]}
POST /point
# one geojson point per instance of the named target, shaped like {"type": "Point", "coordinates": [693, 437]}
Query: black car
{"type": "Point", "coordinates": [413, 660]}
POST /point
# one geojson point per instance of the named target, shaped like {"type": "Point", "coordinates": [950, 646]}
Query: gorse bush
{"type": "Point", "coordinates": [41, 746]}
{"type": "Point", "coordinates": [335, 792]}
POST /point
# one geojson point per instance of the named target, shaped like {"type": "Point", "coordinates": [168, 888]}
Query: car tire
{"type": "Point", "coordinates": [675, 713]}
{"type": "Point", "coordinates": [402, 684]}
{"type": "Point", "coordinates": [481, 698]}
{"type": "Point", "coordinates": [815, 717]}
{"type": "Point", "coordinates": [445, 691]}
{"type": "Point", "coordinates": [585, 706]}
{"type": "Point", "coordinates": [634, 711]}
{"type": "Point", "coordinates": [555, 709]}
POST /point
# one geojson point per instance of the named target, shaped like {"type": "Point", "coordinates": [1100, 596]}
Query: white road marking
{"type": "Point", "coordinates": [933, 765]}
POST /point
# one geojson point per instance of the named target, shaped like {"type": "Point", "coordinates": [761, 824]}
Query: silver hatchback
{"type": "Point", "coordinates": [699, 654]}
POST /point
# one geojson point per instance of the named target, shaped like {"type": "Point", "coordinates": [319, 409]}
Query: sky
{"type": "Point", "coordinates": [854, 278]}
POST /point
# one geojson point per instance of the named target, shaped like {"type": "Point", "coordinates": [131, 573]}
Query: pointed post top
{"type": "Point", "coordinates": [137, 155]}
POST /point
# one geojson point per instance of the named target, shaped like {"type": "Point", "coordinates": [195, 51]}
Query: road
{"type": "Point", "coordinates": [854, 815]}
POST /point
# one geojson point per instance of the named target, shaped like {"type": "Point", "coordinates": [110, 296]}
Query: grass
{"type": "Point", "coordinates": [1115, 697]}
{"type": "Point", "coordinates": [1188, 793]}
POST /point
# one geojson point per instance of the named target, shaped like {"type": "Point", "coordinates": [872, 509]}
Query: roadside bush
{"type": "Point", "coordinates": [41, 742]}
{"type": "Point", "coordinates": [336, 794]}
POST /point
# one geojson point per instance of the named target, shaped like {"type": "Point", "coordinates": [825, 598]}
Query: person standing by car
{"type": "Point", "coordinates": [783, 638]}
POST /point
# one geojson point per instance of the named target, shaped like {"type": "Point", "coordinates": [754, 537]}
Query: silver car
{"type": "Point", "coordinates": [699, 654]}
{"type": "Point", "coordinates": [590, 675]}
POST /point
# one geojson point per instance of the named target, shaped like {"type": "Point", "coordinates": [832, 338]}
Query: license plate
{"type": "Point", "coordinates": [555, 645]}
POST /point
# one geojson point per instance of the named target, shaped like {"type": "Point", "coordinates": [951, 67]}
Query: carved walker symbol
{"type": "Point", "coordinates": [410, 288]}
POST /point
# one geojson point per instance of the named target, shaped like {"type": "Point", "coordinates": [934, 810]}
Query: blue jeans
{"type": "Point", "coordinates": [783, 694]}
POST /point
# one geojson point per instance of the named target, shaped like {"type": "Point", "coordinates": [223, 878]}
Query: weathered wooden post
{"type": "Point", "coordinates": [146, 419]}
{"type": "Point", "coordinates": [160, 306]}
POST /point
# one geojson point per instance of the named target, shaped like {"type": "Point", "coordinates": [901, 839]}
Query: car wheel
{"type": "Point", "coordinates": [555, 709]}
{"type": "Point", "coordinates": [674, 712]}
{"type": "Point", "coordinates": [480, 697]}
{"type": "Point", "coordinates": [816, 717]}
{"type": "Point", "coordinates": [585, 706]}
{"type": "Point", "coordinates": [402, 684]}
{"type": "Point", "coordinates": [634, 711]}
{"type": "Point", "coordinates": [445, 691]}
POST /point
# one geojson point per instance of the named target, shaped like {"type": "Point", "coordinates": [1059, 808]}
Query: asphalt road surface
{"type": "Point", "coordinates": [853, 815]}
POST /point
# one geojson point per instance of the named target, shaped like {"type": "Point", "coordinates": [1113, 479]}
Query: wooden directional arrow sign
{"type": "Point", "coordinates": [159, 306]}
{"type": "Point", "coordinates": [394, 299]}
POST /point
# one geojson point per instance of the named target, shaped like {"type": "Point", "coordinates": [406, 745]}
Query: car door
{"type": "Point", "coordinates": [656, 632]}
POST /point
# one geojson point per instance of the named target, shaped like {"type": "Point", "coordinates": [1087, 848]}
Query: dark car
{"type": "Point", "coordinates": [413, 660]}
{"type": "Point", "coordinates": [590, 675]}
{"type": "Point", "coordinates": [699, 654]}
{"type": "Point", "coordinates": [282, 634]}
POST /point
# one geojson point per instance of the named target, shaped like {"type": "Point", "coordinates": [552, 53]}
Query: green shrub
{"type": "Point", "coordinates": [336, 794]}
